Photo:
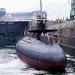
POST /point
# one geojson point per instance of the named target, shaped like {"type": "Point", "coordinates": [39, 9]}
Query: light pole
{"type": "Point", "coordinates": [40, 5]}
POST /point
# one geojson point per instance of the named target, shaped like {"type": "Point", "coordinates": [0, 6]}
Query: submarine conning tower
{"type": "Point", "coordinates": [38, 24]}
{"type": "Point", "coordinates": [39, 21]}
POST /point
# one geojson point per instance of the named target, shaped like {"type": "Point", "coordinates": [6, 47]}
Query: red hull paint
{"type": "Point", "coordinates": [41, 65]}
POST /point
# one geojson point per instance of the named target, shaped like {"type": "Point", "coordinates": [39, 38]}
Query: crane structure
{"type": "Point", "coordinates": [72, 12]}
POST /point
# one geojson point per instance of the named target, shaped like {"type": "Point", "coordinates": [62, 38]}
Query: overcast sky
{"type": "Point", "coordinates": [54, 8]}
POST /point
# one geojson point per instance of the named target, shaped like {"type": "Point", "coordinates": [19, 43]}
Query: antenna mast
{"type": "Point", "coordinates": [41, 5]}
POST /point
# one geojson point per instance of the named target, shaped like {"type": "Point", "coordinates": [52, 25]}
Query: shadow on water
{"type": "Point", "coordinates": [41, 72]}
{"type": "Point", "coordinates": [51, 73]}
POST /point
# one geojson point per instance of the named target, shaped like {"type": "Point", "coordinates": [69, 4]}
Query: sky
{"type": "Point", "coordinates": [54, 8]}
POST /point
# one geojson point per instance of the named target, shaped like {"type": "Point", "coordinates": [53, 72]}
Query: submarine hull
{"type": "Point", "coordinates": [42, 65]}
{"type": "Point", "coordinates": [40, 55]}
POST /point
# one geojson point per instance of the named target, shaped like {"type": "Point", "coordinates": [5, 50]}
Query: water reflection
{"type": "Point", "coordinates": [10, 64]}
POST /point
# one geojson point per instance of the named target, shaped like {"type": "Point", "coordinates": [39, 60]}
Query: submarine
{"type": "Point", "coordinates": [37, 53]}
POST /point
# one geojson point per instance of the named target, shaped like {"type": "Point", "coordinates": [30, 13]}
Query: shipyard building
{"type": "Point", "coordinates": [12, 27]}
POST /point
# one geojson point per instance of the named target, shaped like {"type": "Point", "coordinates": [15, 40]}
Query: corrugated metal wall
{"type": "Point", "coordinates": [11, 32]}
